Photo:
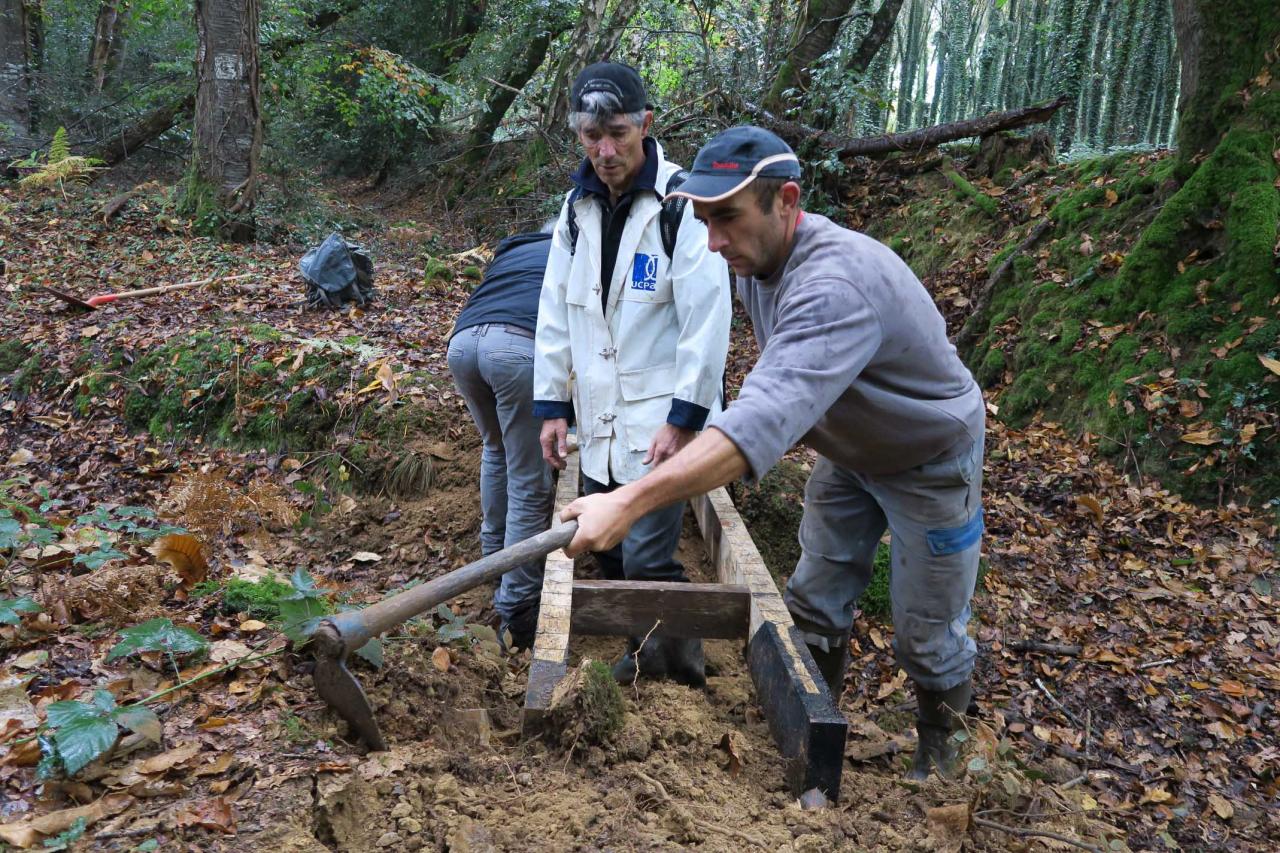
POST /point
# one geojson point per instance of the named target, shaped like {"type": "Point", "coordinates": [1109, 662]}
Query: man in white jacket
{"type": "Point", "coordinates": [641, 326]}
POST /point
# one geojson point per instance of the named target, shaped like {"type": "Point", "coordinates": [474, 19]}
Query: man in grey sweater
{"type": "Point", "coordinates": [855, 363]}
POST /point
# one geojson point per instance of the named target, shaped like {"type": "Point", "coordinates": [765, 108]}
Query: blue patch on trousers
{"type": "Point", "coordinates": [953, 540]}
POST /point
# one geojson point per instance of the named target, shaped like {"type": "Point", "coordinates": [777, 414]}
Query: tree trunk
{"type": "Point", "coordinates": [815, 33]}
{"type": "Point", "coordinates": [18, 32]}
{"type": "Point", "coordinates": [592, 41]}
{"type": "Point", "coordinates": [228, 126]}
{"type": "Point", "coordinates": [518, 72]}
{"type": "Point", "coordinates": [916, 140]}
{"type": "Point", "coordinates": [881, 28]}
{"type": "Point", "coordinates": [154, 123]}
{"type": "Point", "coordinates": [910, 65]}
{"type": "Point", "coordinates": [104, 49]}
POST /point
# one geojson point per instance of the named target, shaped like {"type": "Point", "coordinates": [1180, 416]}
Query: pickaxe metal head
{"type": "Point", "coordinates": [340, 689]}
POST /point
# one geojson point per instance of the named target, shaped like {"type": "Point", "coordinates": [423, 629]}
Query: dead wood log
{"type": "Point", "coordinates": [154, 123]}
{"type": "Point", "coordinates": [913, 141]}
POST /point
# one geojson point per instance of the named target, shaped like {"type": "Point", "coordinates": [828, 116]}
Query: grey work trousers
{"type": "Point", "coordinates": [934, 515]}
{"type": "Point", "coordinates": [648, 551]}
{"type": "Point", "coordinates": [492, 367]}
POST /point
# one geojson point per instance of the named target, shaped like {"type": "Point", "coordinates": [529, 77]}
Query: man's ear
{"type": "Point", "coordinates": [790, 196]}
{"type": "Point", "coordinates": [648, 122]}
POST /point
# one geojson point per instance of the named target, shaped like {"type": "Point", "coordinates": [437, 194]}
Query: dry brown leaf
{"type": "Point", "coordinates": [166, 761]}
{"type": "Point", "coordinates": [440, 657]}
{"type": "Point", "coordinates": [185, 555]}
{"type": "Point", "coordinates": [948, 822]}
{"type": "Point", "coordinates": [215, 814]}
{"type": "Point", "coordinates": [1093, 505]}
{"type": "Point", "coordinates": [1111, 197]}
{"type": "Point", "coordinates": [249, 626]}
{"type": "Point", "coordinates": [215, 723]}
{"type": "Point", "coordinates": [27, 833]}
{"type": "Point", "coordinates": [1222, 806]}
{"type": "Point", "coordinates": [729, 743]}
{"type": "Point", "coordinates": [1270, 364]}
{"type": "Point", "coordinates": [218, 765]}
{"type": "Point", "coordinates": [1203, 437]}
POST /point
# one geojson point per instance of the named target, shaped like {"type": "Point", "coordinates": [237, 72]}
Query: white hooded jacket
{"type": "Point", "coordinates": [663, 335]}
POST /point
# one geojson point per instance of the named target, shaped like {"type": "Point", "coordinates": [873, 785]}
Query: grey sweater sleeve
{"type": "Point", "coordinates": [825, 332]}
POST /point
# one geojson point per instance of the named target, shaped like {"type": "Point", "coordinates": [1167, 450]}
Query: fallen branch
{"type": "Point", "coordinates": [1063, 708]}
{"type": "Point", "coordinates": [1041, 833]}
{"type": "Point", "coordinates": [913, 141]}
{"type": "Point", "coordinates": [1049, 648]}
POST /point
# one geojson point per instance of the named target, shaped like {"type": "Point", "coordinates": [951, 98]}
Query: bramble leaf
{"type": "Point", "coordinates": [157, 635]}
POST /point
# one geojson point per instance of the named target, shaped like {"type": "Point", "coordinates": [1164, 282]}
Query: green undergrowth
{"type": "Point", "coordinates": [246, 388]}
{"type": "Point", "coordinates": [937, 225]}
{"type": "Point", "coordinates": [1145, 322]}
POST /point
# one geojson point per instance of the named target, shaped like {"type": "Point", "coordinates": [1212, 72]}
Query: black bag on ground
{"type": "Point", "coordinates": [337, 272]}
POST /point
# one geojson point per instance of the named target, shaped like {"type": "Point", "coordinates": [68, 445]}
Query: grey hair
{"type": "Point", "coordinates": [598, 108]}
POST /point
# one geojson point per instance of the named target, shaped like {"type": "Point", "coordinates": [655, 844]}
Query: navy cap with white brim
{"type": "Point", "coordinates": [734, 159]}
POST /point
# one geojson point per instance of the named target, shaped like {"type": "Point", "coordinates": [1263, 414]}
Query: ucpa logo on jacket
{"type": "Point", "coordinates": [644, 272]}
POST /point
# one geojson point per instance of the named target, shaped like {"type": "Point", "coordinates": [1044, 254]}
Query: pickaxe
{"type": "Point", "coordinates": [338, 636]}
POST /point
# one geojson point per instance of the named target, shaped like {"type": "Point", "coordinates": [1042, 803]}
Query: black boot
{"type": "Point", "coordinates": [936, 719]}
{"type": "Point", "coordinates": [831, 662]}
{"type": "Point", "coordinates": [684, 661]}
{"type": "Point", "coordinates": [625, 670]}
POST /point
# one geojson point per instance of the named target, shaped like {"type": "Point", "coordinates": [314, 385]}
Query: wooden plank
{"type": "Point", "coordinates": [807, 727]}
{"type": "Point", "coordinates": [803, 717]}
{"type": "Point", "coordinates": [633, 608]}
{"type": "Point", "coordinates": [551, 643]}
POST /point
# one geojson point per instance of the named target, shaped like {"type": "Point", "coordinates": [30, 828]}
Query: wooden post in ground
{"type": "Point", "coordinates": [803, 717]}
{"type": "Point", "coordinates": [551, 643]}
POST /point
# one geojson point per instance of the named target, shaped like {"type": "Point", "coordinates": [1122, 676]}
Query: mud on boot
{"type": "Point", "coordinates": [939, 712]}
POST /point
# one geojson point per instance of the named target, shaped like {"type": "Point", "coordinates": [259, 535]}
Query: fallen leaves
{"type": "Point", "coordinates": [29, 832]}
{"type": "Point", "coordinates": [215, 814]}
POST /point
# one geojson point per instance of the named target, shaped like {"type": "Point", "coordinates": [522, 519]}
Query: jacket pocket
{"type": "Point", "coordinates": [647, 382]}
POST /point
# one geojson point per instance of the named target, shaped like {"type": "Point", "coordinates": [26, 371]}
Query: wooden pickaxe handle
{"type": "Point", "coordinates": [339, 635]}
{"type": "Point", "coordinates": [104, 298]}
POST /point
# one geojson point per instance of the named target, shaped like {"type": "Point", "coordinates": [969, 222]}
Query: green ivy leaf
{"type": "Point", "coordinates": [99, 558]}
{"type": "Point", "coordinates": [372, 652]}
{"type": "Point", "coordinates": [157, 635]}
{"type": "Point", "coordinates": [141, 719]}
{"type": "Point", "coordinates": [301, 617]}
{"type": "Point", "coordinates": [977, 764]}
{"type": "Point", "coordinates": [304, 586]}
{"type": "Point", "coordinates": [70, 834]}
{"type": "Point", "coordinates": [12, 608]}
{"type": "Point", "coordinates": [82, 732]}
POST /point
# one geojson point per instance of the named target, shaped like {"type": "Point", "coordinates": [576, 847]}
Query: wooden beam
{"type": "Point", "coordinates": [633, 608]}
{"type": "Point", "coordinates": [803, 717]}
{"type": "Point", "coordinates": [550, 659]}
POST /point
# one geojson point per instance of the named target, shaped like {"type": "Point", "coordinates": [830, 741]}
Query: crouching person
{"type": "Point", "coordinates": [491, 359]}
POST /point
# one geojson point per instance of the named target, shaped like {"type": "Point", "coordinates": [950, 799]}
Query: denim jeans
{"type": "Point", "coordinates": [934, 515]}
{"type": "Point", "coordinates": [492, 368]}
{"type": "Point", "coordinates": [648, 553]}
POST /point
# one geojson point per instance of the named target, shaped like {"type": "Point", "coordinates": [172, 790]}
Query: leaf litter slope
{"type": "Point", "coordinates": [1150, 716]}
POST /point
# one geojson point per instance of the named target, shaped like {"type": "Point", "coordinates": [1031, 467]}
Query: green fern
{"type": "Point", "coordinates": [59, 148]}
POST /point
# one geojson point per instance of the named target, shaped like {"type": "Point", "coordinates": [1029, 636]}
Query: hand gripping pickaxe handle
{"type": "Point", "coordinates": [338, 636]}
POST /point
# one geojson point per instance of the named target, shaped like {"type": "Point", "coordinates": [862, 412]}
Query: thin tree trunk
{"type": "Point", "coordinates": [517, 73]}
{"type": "Point", "coordinates": [578, 54]}
{"type": "Point", "coordinates": [16, 84]}
{"type": "Point", "coordinates": [104, 48]}
{"type": "Point", "coordinates": [1122, 42]}
{"type": "Point", "coordinates": [881, 28]}
{"type": "Point", "coordinates": [909, 66]}
{"type": "Point", "coordinates": [228, 125]}
{"type": "Point", "coordinates": [815, 33]}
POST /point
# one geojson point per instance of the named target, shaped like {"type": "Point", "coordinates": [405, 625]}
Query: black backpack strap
{"type": "Point", "coordinates": [672, 213]}
{"type": "Point", "coordinates": [571, 219]}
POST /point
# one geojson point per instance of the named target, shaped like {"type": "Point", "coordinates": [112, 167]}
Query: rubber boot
{"type": "Point", "coordinates": [831, 662]}
{"type": "Point", "coordinates": [625, 670]}
{"type": "Point", "coordinates": [684, 661]}
{"type": "Point", "coordinates": [936, 719]}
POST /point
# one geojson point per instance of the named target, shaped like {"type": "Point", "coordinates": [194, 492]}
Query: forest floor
{"type": "Point", "coordinates": [1127, 682]}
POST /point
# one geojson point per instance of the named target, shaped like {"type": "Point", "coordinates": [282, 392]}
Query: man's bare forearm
{"type": "Point", "coordinates": [709, 461]}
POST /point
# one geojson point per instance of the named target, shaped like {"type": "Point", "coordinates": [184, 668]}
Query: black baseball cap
{"type": "Point", "coordinates": [621, 81]}
{"type": "Point", "coordinates": [735, 158]}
